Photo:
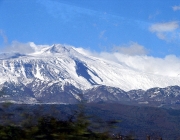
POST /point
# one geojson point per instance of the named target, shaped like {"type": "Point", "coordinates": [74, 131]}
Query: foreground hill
{"type": "Point", "coordinates": [138, 121]}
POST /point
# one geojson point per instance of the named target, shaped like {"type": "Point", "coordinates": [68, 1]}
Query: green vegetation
{"type": "Point", "coordinates": [86, 121]}
{"type": "Point", "coordinates": [78, 126]}
{"type": "Point", "coordinates": [49, 128]}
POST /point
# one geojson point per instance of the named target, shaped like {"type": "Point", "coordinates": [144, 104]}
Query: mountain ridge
{"type": "Point", "coordinates": [54, 68]}
{"type": "Point", "coordinates": [64, 63]}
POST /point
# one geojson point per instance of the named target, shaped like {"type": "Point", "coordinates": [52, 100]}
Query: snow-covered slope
{"type": "Point", "coordinates": [64, 74]}
{"type": "Point", "coordinates": [64, 64]}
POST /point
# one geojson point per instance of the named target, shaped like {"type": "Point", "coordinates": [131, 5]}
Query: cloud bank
{"type": "Point", "coordinates": [132, 48]}
{"type": "Point", "coordinates": [23, 48]}
{"type": "Point", "coordinates": [135, 57]}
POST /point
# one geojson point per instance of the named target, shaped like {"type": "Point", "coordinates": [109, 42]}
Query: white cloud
{"type": "Point", "coordinates": [161, 35]}
{"type": "Point", "coordinates": [2, 34]}
{"type": "Point", "coordinates": [132, 48]}
{"type": "Point", "coordinates": [167, 66]}
{"type": "Point", "coordinates": [102, 35]}
{"type": "Point", "coordinates": [67, 12]}
{"type": "Point", "coordinates": [154, 15]}
{"type": "Point", "coordinates": [166, 31]}
{"type": "Point", "coordinates": [176, 8]}
{"type": "Point", "coordinates": [23, 48]}
{"type": "Point", "coordinates": [164, 27]}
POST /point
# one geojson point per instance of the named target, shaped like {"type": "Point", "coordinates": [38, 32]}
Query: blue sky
{"type": "Point", "coordinates": [134, 27]}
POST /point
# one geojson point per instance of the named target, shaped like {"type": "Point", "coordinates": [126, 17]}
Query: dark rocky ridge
{"type": "Point", "coordinates": [41, 92]}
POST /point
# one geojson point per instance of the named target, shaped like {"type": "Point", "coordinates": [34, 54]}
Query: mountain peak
{"type": "Point", "coordinates": [61, 49]}
{"type": "Point", "coordinates": [66, 64]}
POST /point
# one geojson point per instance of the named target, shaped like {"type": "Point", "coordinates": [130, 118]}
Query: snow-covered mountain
{"type": "Point", "coordinates": [50, 70]}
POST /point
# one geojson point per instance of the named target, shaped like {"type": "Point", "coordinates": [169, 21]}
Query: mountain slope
{"type": "Point", "coordinates": [64, 64]}
{"type": "Point", "coordinates": [62, 74]}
